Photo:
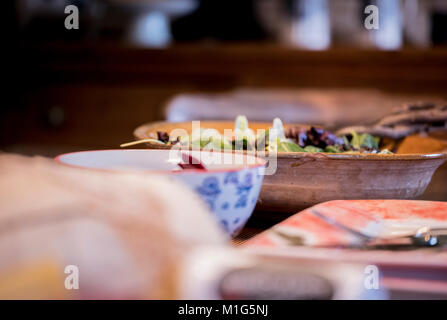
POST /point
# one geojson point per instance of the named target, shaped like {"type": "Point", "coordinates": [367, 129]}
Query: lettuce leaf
{"type": "Point", "coordinates": [364, 140]}
{"type": "Point", "coordinates": [285, 146]}
{"type": "Point", "coordinates": [312, 149]}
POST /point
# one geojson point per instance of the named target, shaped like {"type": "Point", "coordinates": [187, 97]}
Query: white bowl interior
{"type": "Point", "coordinates": [155, 160]}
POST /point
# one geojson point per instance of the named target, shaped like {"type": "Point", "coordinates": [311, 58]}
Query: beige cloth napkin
{"type": "Point", "coordinates": [125, 232]}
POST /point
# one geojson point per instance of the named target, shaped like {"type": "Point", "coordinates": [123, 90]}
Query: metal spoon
{"type": "Point", "coordinates": [429, 237]}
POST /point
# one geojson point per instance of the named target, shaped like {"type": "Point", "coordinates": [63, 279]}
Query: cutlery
{"type": "Point", "coordinates": [423, 237]}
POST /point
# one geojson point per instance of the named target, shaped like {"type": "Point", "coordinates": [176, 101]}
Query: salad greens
{"type": "Point", "coordinates": [277, 139]}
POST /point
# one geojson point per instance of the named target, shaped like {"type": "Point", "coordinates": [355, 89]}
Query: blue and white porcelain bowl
{"type": "Point", "coordinates": [230, 185]}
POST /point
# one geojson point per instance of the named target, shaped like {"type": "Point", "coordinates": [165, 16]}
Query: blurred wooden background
{"type": "Point", "coordinates": [61, 98]}
{"type": "Point", "coordinates": [93, 96]}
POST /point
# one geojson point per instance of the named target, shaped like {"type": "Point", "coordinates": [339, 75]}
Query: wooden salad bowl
{"type": "Point", "coordinates": [304, 179]}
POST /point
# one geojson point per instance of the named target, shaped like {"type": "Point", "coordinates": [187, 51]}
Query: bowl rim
{"type": "Point", "coordinates": [261, 163]}
{"type": "Point", "coordinates": [140, 130]}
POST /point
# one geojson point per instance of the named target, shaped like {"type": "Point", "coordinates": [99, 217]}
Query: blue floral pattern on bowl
{"type": "Point", "coordinates": [209, 190]}
{"type": "Point", "coordinates": [243, 187]}
{"type": "Point", "coordinates": [231, 196]}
